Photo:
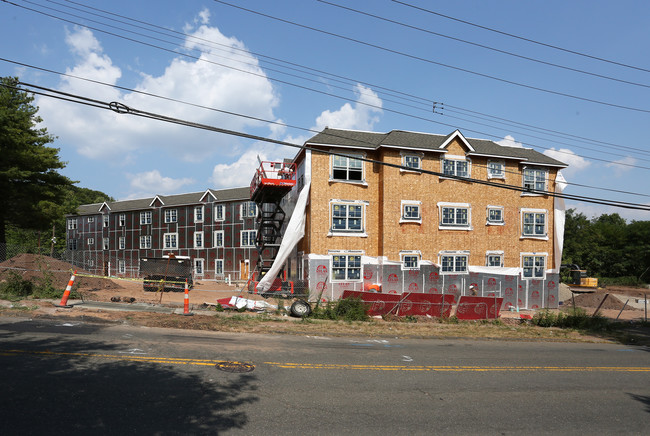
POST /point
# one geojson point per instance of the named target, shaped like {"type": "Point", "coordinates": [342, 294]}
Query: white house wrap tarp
{"type": "Point", "coordinates": [292, 234]}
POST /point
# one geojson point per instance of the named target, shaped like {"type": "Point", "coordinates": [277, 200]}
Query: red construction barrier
{"type": "Point", "coordinates": [437, 305]}
{"type": "Point", "coordinates": [478, 307]}
{"type": "Point", "coordinates": [378, 304]}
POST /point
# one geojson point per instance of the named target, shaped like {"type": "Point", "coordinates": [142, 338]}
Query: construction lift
{"type": "Point", "coordinates": [271, 183]}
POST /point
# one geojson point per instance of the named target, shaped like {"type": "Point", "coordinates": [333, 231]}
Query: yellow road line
{"type": "Point", "coordinates": [452, 368]}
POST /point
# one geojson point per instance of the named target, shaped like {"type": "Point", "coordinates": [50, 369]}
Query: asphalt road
{"type": "Point", "coordinates": [74, 378]}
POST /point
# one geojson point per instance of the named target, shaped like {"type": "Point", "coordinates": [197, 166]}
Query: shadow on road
{"type": "Point", "coordinates": [67, 393]}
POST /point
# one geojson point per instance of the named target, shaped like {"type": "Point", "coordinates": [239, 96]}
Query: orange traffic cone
{"type": "Point", "coordinates": [66, 294]}
{"type": "Point", "coordinates": [186, 304]}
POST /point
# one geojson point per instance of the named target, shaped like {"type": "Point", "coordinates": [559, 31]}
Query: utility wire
{"type": "Point", "coordinates": [124, 109]}
{"type": "Point", "coordinates": [555, 47]}
{"type": "Point", "coordinates": [312, 89]}
{"type": "Point", "coordinates": [314, 131]}
{"type": "Point", "coordinates": [422, 59]}
{"type": "Point", "coordinates": [486, 47]}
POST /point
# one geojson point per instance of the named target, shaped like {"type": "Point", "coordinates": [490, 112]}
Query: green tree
{"type": "Point", "coordinates": [31, 189]}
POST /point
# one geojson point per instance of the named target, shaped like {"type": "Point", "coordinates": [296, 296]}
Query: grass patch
{"type": "Point", "coordinates": [346, 309]}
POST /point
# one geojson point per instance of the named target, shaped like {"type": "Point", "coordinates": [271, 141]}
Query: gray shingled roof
{"type": "Point", "coordinates": [425, 141]}
{"type": "Point", "coordinates": [232, 194]}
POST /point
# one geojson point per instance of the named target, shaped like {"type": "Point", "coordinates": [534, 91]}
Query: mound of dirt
{"type": "Point", "coordinates": [35, 268]}
{"type": "Point", "coordinates": [594, 300]}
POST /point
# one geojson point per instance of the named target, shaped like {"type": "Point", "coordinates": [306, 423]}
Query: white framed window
{"type": "Point", "coordinates": [72, 224]}
{"type": "Point", "coordinates": [91, 219]}
{"type": "Point", "coordinates": [247, 238]}
{"type": "Point", "coordinates": [145, 217]}
{"type": "Point", "coordinates": [454, 262]}
{"type": "Point", "coordinates": [198, 240]}
{"type": "Point", "coordinates": [412, 161]}
{"type": "Point", "coordinates": [410, 259]}
{"type": "Point", "coordinates": [533, 223]}
{"type": "Point", "coordinates": [122, 242]}
{"type": "Point", "coordinates": [106, 243]}
{"type": "Point", "coordinates": [219, 212]}
{"type": "Point", "coordinates": [72, 244]}
{"type": "Point", "coordinates": [121, 267]}
{"type": "Point", "coordinates": [170, 216]}
{"type": "Point", "coordinates": [411, 212]}
{"type": "Point", "coordinates": [534, 180]}
{"type": "Point", "coordinates": [198, 214]}
{"type": "Point", "coordinates": [90, 262]}
{"type": "Point", "coordinates": [218, 267]}
{"type": "Point", "coordinates": [145, 242]}
{"type": "Point", "coordinates": [347, 168]}
{"type": "Point", "coordinates": [495, 216]}
{"type": "Point", "coordinates": [494, 258]}
{"type": "Point", "coordinates": [217, 238]}
{"type": "Point", "coordinates": [248, 210]}
{"type": "Point", "coordinates": [456, 166]}
{"type": "Point", "coordinates": [347, 218]}
{"type": "Point", "coordinates": [346, 267]}
{"type": "Point", "coordinates": [455, 216]}
{"type": "Point", "coordinates": [170, 241]}
{"type": "Point", "coordinates": [496, 169]}
{"type": "Point", "coordinates": [90, 241]}
{"type": "Point", "coordinates": [105, 220]}
{"type": "Point", "coordinates": [198, 266]}
{"type": "Point", "coordinates": [533, 265]}
{"type": "Point", "coordinates": [122, 220]}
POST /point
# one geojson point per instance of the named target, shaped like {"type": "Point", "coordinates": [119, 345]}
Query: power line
{"type": "Point", "coordinates": [124, 109]}
{"type": "Point", "coordinates": [419, 58]}
{"type": "Point", "coordinates": [257, 118]}
{"type": "Point", "coordinates": [312, 89]}
{"type": "Point", "coordinates": [555, 47]}
{"type": "Point", "coordinates": [486, 47]}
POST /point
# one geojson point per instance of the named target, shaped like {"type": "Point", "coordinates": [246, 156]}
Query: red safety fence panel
{"type": "Point", "coordinates": [437, 305]}
{"type": "Point", "coordinates": [378, 304]}
{"type": "Point", "coordinates": [478, 307]}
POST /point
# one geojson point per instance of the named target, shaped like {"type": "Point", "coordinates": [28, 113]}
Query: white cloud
{"type": "Point", "coordinates": [152, 182]}
{"type": "Point", "coordinates": [576, 163]}
{"type": "Point", "coordinates": [241, 171]}
{"type": "Point", "coordinates": [509, 141]}
{"type": "Point", "coordinates": [622, 166]}
{"type": "Point", "coordinates": [362, 115]}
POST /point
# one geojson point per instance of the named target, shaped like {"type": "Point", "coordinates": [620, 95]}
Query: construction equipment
{"type": "Point", "coordinates": [168, 273]}
{"type": "Point", "coordinates": [579, 277]}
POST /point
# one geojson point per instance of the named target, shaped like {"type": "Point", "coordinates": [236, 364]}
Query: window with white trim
{"type": "Point", "coordinates": [72, 244]}
{"type": "Point", "coordinates": [145, 217]}
{"type": "Point", "coordinates": [121, 267]}
{"type": "Point", "coordinates": [533, 265]}
{"type": "Point", "coordinates": [411, 211]}
{"type": "Point", "coordinates": [170, 241]}
{"type": "Point", "coordinates": [91, 219]}
{"type": "Point", "coordinates": [247, 238]}
{"type": "Point", "coordinates": [105, 219]}
{"type": "Point", "coordinates": [72, 224]}
{"type": "Point", "coordinates": [218, 267]}
{"type": "Point", "coordinates": [455, 216]}
{"type": "Point", "coordinates": [248, 210]}
{"type": "Point", "coordinates": [122, 220]}
{"type": "Point", "coordinates": [411, 161]}
{"type": "Point", "coordinates": [346, 267]}
{"type": "Point", "coordinates": [347, 217]}
{"type": "Point", "coordinates": [453, 262]}
{"type": "Point", "coordinates": [494, 258]}
{"type": "Point", "coordinates": [455, 166]}
{"type": "Point", "coordinates": [170, 216]}
{"type": "Point", "coordinates": [90, 241]}
{"type": "Point", "coordinates": [496, 169]}
{"type": "Point", "coordinates": [535, 179]}
{"type": "Point", "coordinates": [198, 239]}
{"type": "Point", "coordinates": [217, 239]}
{"type": "Point", "coordinates": [495, 215]}
{"type": "Point", "coordinates": [533, 223]}
{"type": "Point", "coordinates": [106, 243]}
{"type": "Point", "coordinates": [347, 168]}
{"type": "Point", "coordinates": [198, 266]}
{"type": "Point", "coordinates": [145, 242]}
{"type": "Point", "coordinates": [219, 213]}
{"type": "Point", "coordinates": [122, 242]}
{"type": "Point", "coordinates": [410, 259]}
{"type": "Point", "coordinates": [198, 214]}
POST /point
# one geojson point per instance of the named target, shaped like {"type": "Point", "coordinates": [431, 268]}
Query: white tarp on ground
{"type": "Point", "coordinates": [292, 235]}
{"type": "Point", "coordinates": [559, 219]}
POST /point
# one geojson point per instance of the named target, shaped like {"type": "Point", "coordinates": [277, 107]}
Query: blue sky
{"type": "Point", "coordinates": [357, 72]}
